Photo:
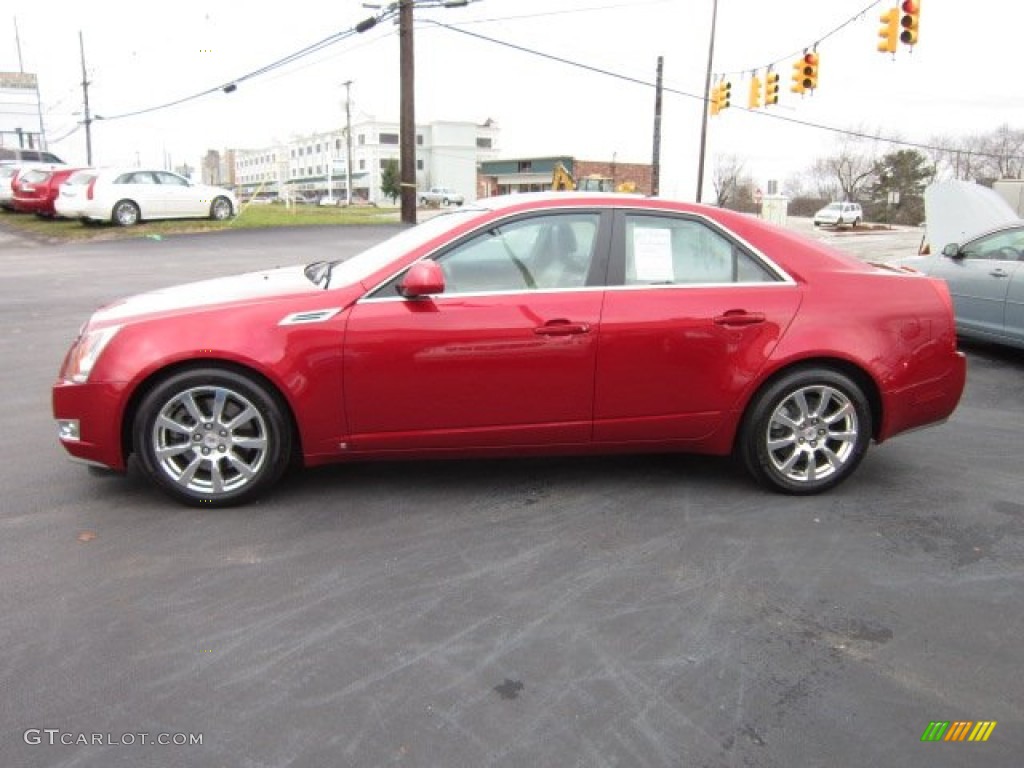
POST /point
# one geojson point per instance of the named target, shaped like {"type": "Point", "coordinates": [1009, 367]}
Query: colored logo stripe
{"type": "Point", "coordinates": [958, 730]}
{"type": "Point", "coordinates": [982, 731]}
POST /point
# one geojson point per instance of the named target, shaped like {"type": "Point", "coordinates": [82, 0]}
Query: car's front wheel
{"type": "Point", "coordinates": [220, 209]}
{"type": "Point", "coordinates": [125, 213]}
{"type": "Point", "coordinates": [213, 437]}
{"type": "Point", "coordinates": [807, 431]}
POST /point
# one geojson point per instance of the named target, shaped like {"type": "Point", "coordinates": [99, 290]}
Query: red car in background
{"type": "Point", "coordinates": [522, 325]}
{"type": "Point", "coordinates": [36, 189]}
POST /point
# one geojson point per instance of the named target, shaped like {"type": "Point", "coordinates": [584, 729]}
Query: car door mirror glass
{"type": "Point", "coordinates": [952, 250]}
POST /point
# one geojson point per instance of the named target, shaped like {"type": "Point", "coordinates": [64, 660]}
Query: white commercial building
{"type": "Point", "coordinates": [448, 154]}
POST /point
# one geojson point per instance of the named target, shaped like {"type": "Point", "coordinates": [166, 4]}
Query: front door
{"type": "Point", "coordinates": [504, 356]}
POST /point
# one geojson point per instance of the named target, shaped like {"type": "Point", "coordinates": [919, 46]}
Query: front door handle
{"type": "Point", "coordinates": [561, 328]}
{"type": "Point", "coordinates": [739, 317]}
{"type": "Point", "coordinates": [999, 272]}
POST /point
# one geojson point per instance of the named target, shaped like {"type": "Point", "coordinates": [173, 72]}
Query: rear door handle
{"type": "Point", "coordinates": [561, 328]}
{"type": "Point", "coordinates": [739, 317]}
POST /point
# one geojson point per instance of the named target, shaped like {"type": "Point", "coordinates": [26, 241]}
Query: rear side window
{"type": "Point", "coordinates": [662, 250]}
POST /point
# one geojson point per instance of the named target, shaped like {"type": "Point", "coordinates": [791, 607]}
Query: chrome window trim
{"type": "Point", "coordinates": [784, 277]}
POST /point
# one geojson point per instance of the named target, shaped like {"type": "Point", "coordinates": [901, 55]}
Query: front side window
{"type": "Point", "coordinates": [542, 253]}
{"type": "Point", "coordinates": [1002, 246]}
{"type": "Point", "coordinates": [662, 250]}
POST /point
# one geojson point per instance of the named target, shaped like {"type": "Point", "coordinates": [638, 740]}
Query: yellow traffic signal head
{"type": "Point", "coordinates": [889, 31]}
{"type": "Point", "coordinates": [754, 100]}
{"type": "Point", "coordinates": [810, 71]}
{"type": "Point", "coordinates": [771, 88]}
{"type": "Point", "coordinates": [910, 21]}
{"type": "Point", "coordinates": [715, 99]}
{"type": "Point", "coordinates": [726, 93]}
{"type": "Point", "coordinates": [798, 76]}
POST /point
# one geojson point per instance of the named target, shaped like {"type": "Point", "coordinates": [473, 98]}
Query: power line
{"type": "Point", "coordinates": [232, 84]}
{"type": "Point", "coordinates": [677, 92]}
{"type": "Point", "coordinates": [806, 48]}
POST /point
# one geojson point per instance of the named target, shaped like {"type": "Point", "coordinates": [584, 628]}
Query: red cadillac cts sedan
{"type": "Point", "coordinates": [523, 325]}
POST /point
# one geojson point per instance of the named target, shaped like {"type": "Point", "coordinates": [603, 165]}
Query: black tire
{"type": "Point", "coordinates": [806, 431]}
{"type": "Point", "coordinates": [125, 213]}
{"type": "Point", "coordinates": [237, 448]}
{"type": "Point", "coordinates": [856, 222]}
{"type": "Point", "coordinates": [445, 202]}
{"type": "Point", "coordinates": [423, 202]}
{"type": "Point", "coordinates": [220, 209]}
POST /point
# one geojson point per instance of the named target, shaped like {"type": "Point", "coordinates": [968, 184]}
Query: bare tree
{"type": "Point", "coordinates": [1003, 150]}
{"type": "Point", "coordinates": [851, 168]}
{"type": "Point", "coordinates": [728, 170]}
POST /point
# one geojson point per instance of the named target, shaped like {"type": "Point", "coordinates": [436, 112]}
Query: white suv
{"type": "Point", "coordinates": [441, 196]}
{"type": "Point", "coordinates": [839, 214]}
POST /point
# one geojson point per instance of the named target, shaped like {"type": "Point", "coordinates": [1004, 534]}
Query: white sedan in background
{"type": "Point", "coordinates": [126, 196]}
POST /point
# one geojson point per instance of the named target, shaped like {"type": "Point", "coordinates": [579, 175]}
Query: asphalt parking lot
{"type": "Point", "coordinates": [641, 611]}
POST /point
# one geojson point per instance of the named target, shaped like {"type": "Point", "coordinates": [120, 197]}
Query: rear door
{"type": "Point", "coordinates": [694, 319]}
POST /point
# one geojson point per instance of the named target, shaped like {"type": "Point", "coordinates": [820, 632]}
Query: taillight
{"type": "Point", "coordinates": [89, 189]}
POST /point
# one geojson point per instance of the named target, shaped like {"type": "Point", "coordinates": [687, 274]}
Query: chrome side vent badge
{"type": "Point", "coordinates": [313, 316]}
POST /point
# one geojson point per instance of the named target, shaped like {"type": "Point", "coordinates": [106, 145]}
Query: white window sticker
{"type": "Point", "coordinates": [652, 255]}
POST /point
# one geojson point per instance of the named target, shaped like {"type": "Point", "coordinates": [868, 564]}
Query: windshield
{"type": "Point", "coordinates": [369, 261]}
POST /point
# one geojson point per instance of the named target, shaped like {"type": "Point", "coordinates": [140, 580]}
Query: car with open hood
{"type": "Point", "coordinates": [975, 242]}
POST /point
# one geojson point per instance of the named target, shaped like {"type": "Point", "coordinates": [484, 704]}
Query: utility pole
{"type": "Point", "coordinates": [407, 116]}
{"type": "Point", "coordinates": [348, 142]}
{"type": "Point", "coordinates": [17, 43]}
{"type": "Point", "coordinates": [85, 99]}
{"type": "Point", "coordinates": [707, 97]}
{"type": "Point", "coordinates": [656, 157]}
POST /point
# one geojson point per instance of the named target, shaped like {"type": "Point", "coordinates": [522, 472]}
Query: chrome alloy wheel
{"type": "Point", "coordinates": [210, 440]}
{"type": "Point", "coordinates": [812, 434]}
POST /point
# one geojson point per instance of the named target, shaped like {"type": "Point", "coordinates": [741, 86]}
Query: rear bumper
{"type": "Point", "coordinates": [925, 403]}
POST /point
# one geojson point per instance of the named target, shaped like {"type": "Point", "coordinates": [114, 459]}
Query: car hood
{"type": "Point", "coordinates": [246, 288]}
{"type": "Point", "coordinates": [956, 211]}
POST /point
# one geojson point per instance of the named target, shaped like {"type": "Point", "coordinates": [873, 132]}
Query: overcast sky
{"type": "Point", "coordinates": [959, 80]}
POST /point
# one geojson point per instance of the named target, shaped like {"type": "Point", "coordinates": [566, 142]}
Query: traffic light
{"type": "Point", "coordinates": [715, 99]}
{"type": "Point", "coordinates": [754, 101]}
{"type": "Point", "coordinates": [910, 21]}
{"type": "Point", "coordinates": [771, 88]}
{"type": "Point", "coordinates": [889, 31]}
{"type": "Point", "coordinates": [725, 94]}
{"type": "Point", "coordinates": [810, 81]}
{"type": "Point", "coordinates": [798, 76]}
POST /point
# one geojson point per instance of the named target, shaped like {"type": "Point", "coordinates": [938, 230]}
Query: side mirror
{"type": "Point", "coordinates": [952, 251]}
{"type": "Point", "coordinates": [423, 279]}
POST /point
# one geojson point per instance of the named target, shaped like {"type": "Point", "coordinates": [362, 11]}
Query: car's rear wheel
{"type": "Point", "coordinates": [220, 209]}
{"type": "Point", "coordinates": [125, 213]}
{"type": "Point", "coordinates": [213, 437]}
{"type": "Point", "coordinates": [856, 222]}
{"type": "Point", "coordinates": [806, 431]}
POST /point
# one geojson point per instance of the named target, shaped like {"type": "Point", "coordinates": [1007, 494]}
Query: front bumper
{"type": "Point", "coordinates": [97, 409]}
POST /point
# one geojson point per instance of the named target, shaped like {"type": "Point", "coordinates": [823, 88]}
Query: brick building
{"type": "Point", "coordinates": [535, 174]}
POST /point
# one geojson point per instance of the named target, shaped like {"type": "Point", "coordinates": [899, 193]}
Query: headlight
{"type": "Point", "coordinates": [86, 352]}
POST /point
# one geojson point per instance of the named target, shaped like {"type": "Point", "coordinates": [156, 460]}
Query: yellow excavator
{"type": "Point", "coordinates": [563, 181]}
